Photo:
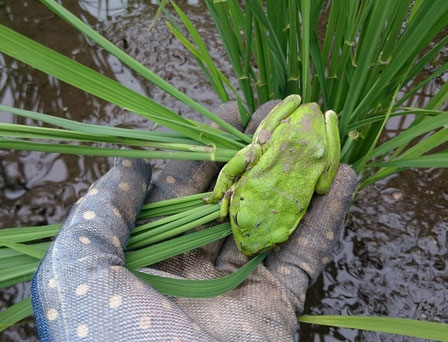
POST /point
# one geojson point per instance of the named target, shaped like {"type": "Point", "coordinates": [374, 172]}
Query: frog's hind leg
{"type": "Point", "coordinates": [280, 112]}
{"type": "Point", "coordinates": [333, 154]}
{"type": "Point", "coordinates": [236, 166]}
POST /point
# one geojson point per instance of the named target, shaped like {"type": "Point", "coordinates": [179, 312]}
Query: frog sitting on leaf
{"type": "Point", "coordinates": [267, 186]}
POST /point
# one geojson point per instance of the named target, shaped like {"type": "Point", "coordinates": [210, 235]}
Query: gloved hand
{"type": "Point", "coordinates": [82, 291]}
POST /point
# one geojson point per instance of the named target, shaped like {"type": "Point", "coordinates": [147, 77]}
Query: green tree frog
{"type": "Point", "coordinates": [267, 186]}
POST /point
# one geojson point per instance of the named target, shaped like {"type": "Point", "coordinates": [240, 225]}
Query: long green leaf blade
{"type": "Point", "coordinates": [305, 10]}
{"type": "Point", "coordinates": [15, 313]}
{"type": "Point", "coordinates": [44, 133]}
{"type": "Point", "coordinates": [24, 234]}
{"type": "Point", "coordinates": [201, 288]}
{"type": "Point", "coordinates": [164, 250]}
{"type": "Point", "coordinates": [139, 68]}
{"type": "Point", "coordinates": [17, 274]}
{"type": "Point", "coordinates": [425, 126]}
{"type": "Point", "coordinates": [80, 76]}
{"type": "Point", "coordinates": [172, 201]}
{"type": "Point", "coordinates": [35, 252]}
{"type": "Point", "coordinates": [401, 326]}
{"type": "Point", "coordinates": [17, 144]}
{"type": "Point", "coordinates": [207, 59]}
{"type": "Point", "coordinates": [434, 160]}
{"type": "Point", "coordinates": [99, 130]}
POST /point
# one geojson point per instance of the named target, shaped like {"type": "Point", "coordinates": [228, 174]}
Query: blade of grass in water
{"type": "Point", "coordinates": [15, 313]}
{"type": "Point", "coordinates": [244, 71]}
{"type": "Point", "coordinates": [160, 9]}
{"type": "Point", "coordinates": [403, 111]}
{"type": "Point", "coordinates": [206, 58]}
{"type": "Point", "coordinates": [278, 60]}
{"type": "Point", "coordinates": [221, 12]}
{"type": "Point", "coordinates": [366, 54]}
{"type": "Point", "coordinates": [16, 144]}
{"type": "Point", "coordinates": [320, 70]}
{"type": "Point", "coordinates": [262, 60]}
{"type": "Point", "coordinates": [360, 165]}
{"type": "Point", "coordinates": [293, 40]}
{"type": "Point", "coordinates": [199, 57]}
{"type": "Point", "coordinates": [98, 130]}
{"type": "Point", "coordinates": [439, 160]}
{"type": "Point", "coordinates": [422, 62]}
{"type": "Point", "coordinates": [415, 151]}
{"type": "Point", "coordinates": [43, 133]}
{"type": "Point", "coordinates": [426, 125]}
{"type": "Point", "coordinates": [67, 70]}
{"type": "Point", "coordinates": [139, 68]}
{"type": "Point", "coordinates": [402, 326]}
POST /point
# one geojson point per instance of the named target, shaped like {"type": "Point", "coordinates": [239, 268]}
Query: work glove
{"type": "Point", "coordinates": [82, 290]}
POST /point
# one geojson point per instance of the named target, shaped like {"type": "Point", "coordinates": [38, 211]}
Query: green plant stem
{"type": "Point", "coordinates": [16, 144]}
{"type": "Point", "coordinates": [144, 237]}
{"type": "Point", "coordinates": [163, 234]}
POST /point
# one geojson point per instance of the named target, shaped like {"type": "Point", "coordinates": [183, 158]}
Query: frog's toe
{"type": "Point", "coordinates": [213, 198]}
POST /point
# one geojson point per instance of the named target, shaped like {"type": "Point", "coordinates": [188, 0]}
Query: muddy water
{"type": "Point", "coordinates": [392, 257]}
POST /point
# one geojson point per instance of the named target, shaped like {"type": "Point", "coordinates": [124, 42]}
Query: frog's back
{"type": "Point", "coordinates": [282, 182]}
{"type": "Point", "coordinates": [295, 159]}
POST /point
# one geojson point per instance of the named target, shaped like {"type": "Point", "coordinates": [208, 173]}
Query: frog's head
{"type": "Point", "coordinates": [255, 233]}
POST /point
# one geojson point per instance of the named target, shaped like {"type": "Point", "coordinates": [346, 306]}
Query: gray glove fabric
{"type": "Point", "coordinates": [82, 291]}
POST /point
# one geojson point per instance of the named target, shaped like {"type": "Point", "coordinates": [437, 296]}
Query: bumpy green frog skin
{"type": "Point", "coordinates": [268, 185]}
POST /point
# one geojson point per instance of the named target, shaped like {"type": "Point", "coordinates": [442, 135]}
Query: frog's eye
{"type": "Point", "coordinates": [235, 219]}
{"type": "Point", "coordinates": [244, 218]}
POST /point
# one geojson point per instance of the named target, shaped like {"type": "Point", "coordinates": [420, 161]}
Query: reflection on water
{"type": "Point", "coordinates": [103, 9]}
{"type": "Point", "coordinates": [189, 2]}
{"type": "Point", "coordinates": [392, 257]}
{"type": "Point", "coordinates": [107, 9]}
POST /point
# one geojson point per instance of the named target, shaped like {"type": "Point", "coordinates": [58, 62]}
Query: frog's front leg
{"type": "Point", "coordinates": [333, 155]}
{"type": "Point", "coordinates": [225, 203]}
{"type": "Point", "coordinates": [242, 160]}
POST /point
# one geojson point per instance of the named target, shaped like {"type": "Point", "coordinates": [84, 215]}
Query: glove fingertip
{"type": "Point", "coordinates": [140, 165]}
